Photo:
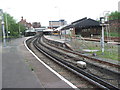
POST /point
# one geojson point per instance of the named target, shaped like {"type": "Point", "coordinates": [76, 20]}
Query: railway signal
{"type": "Point", "coordinates": [102, 20]}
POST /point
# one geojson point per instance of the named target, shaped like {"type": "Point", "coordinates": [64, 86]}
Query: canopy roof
{"type": "Point", "coordinates": [59, 28]}
{"type": "Point", "coordinates": [75, 22]}
{"type": "Point", "coordinates": [83, 23]}
{"type": "Point", "coordinates": [87, 23]}
{"type": "Point", "coordinates": [47, 30]}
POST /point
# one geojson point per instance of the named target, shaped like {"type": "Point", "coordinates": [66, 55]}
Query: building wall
{"type": "Point", "coordinates": [114, 25]}
{"type": "Point", "coordinates": [56, 24]}
{"type": "Point", "coordinates": [25, 23]}
{"type": "Point", "coordinates": [36, 24]}
{"type": "Point", "coordinates": [88, 32]}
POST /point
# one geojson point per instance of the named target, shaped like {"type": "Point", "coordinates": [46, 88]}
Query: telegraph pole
{"type": "Point", "coordinates": [19, 29]}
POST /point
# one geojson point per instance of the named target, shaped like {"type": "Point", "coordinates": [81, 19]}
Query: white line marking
{"type": "Point", "coordinates": [61, 77]}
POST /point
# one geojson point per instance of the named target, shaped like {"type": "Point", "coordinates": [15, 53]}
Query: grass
{"type": "Point", "coordinates": [111, 51]}
{"type": "Point", "coordinates": [113, 34]}
{"type": "Point", "coordinates": [108, 55]}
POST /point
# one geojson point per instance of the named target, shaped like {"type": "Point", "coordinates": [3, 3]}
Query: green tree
{"type": "Point", "coordinates": [114, 15]}
{"type": "Point", "coordinates": [22, 28]}
{"type": "Point", "coordinates": [12, 26]}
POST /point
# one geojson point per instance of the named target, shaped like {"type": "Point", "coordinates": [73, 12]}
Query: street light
{"type": "Point", "coordinates": [59, 20]}
{"type": "Point", "coordinates": [3, 29]}
{"type": "Point", "coordinates": [6, 20]}
{"type": "Point", "coordinates": [58, 11]}
{"type": "Point", "coordinates": [19, 29]}
{"type": "Point", "coordinates": [105, 14]}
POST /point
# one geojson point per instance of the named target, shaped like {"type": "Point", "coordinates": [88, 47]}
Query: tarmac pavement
{"type": "Point", "coordinates": [15, 73]}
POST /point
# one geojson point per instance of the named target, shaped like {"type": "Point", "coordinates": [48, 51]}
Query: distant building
{"type": "Point", "coordinates": [36, 24]}
{"type": "Point", "coordinates": [25, 23]}
{"type": "Point", "coordinates": [28, 25]}
{"type": "Point", "coordinates": [56, 24]}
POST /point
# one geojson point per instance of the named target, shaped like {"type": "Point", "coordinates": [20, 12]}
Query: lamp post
{"type": "Point", "coordinates": [6, 21]}
{"type": "Point", "coordinates": [105, 14]}
{"type": "Point", "coordinates": [3, 27]}
{"type": "Point", "coordinates": [19, 29]}
{"type": "Point", "coordinates": [102, 20]}
{"type": "Point", "coordinates": [59, 20]}
{"type": "Point", "coordinates": [58, 11]}
{"type": "Point", "coordinates": [3, 30]}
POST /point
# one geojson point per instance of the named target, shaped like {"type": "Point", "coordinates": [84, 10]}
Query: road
{"type": "Point", "coordinates": [15, 72]}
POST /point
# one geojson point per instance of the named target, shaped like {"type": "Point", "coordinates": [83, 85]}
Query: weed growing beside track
{"type": "Point", "coordinates": [111, 50]}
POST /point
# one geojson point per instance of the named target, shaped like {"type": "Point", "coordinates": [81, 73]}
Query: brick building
{"type": "Point", "coordinates": [25, 23]}
{"type": "Point", "coordinates": [36, 24]}
{"type": "Point", "coordinates": [114, 25]}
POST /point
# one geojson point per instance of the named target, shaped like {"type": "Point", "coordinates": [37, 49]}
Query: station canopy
{"type": "Point", "coordinates": [68, 27]}
{"type": "Point", "coordinates": [59, 28]}
{"type": "Point", "coordinates": [83, 23]}
{"type": "Point", "coordinates": [48, 30]}
{"type": "Point", "coordinates": [87, 23]}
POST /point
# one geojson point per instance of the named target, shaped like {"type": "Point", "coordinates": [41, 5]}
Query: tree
{"type": "Point", "coordinates": [114, 15]}
{"type": "Point", "coordinates": [22, 28]}
{"type": "Point", "coordinates": [12, 26]}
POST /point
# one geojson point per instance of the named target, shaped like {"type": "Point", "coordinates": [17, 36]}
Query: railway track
{"type": "Point", "coordinates": [70, 65]}
{"type": "Point", "coordinates": [110, 68]}
{"type": "Point", "coordinates": [115, 67]}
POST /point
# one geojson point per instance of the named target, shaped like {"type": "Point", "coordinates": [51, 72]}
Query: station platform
{"type": "Point", "coordinates": [17, 73]}
{"type": "Point", "coordinates": [63, 39]}
{"type": "Point", "coordinates": [55, 38]}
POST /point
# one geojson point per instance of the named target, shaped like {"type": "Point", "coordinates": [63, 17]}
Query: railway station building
{"type": "Point", "coordinates": [84, 27]}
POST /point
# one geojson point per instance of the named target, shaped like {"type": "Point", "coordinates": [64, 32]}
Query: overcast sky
{"type": "Point", "coordinates": [45, 10]}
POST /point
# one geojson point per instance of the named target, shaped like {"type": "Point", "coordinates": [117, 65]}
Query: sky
{"type": "Point", "coordinates": [44, 11]}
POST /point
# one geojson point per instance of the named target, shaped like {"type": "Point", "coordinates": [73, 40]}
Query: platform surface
{"type": "Point", "coordinates": [16, 73]}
